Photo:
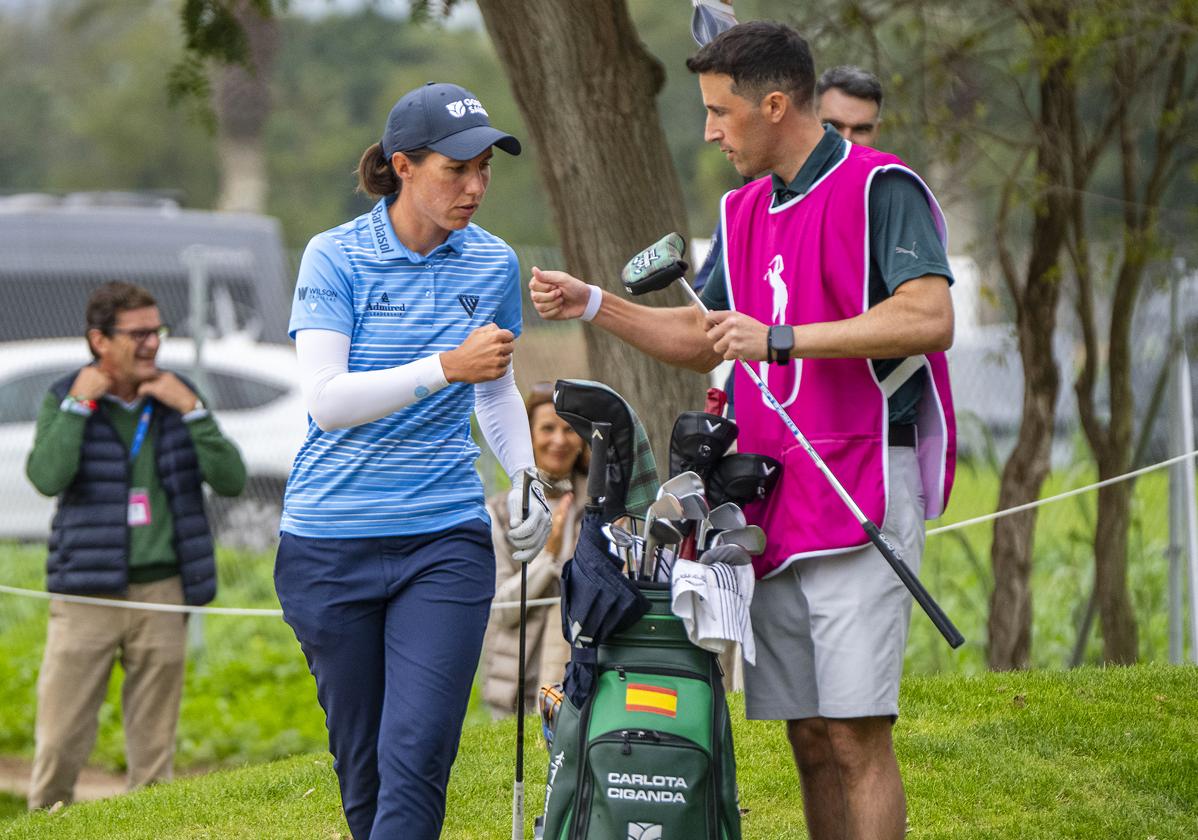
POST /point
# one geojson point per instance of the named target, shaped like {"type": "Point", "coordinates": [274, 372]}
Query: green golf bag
{"type": "Point", "coordinates": [648, 756]}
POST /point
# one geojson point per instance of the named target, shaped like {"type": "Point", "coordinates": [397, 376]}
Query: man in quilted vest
{"type": "Point", "coordinates": [126, 447]}
{"type": "Point", "coordinates": [835, 287]}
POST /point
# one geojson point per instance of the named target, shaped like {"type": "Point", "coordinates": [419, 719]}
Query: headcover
{"type": "Point", "coordinates": [656, 267]}
{"type": "Point", "coordinates": [631, 470]}
{"type": "Point", "coordinates": [698, 441]}
{"type": "Point", "coordinates": [742, 478]}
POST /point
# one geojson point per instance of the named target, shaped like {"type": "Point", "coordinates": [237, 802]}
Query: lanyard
{"type": "Point", "coordinates": [143, 425]}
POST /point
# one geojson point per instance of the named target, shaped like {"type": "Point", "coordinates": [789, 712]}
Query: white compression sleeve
{"type": "Point", "coordinates": [504, 422]}
{"type": "Point", "coordinates": [337, 399]}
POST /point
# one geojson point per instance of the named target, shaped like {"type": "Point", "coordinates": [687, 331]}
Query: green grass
{"type": "Point", "coordinates": [249, 697]}
{"type": "Point", "coordinates": [11, 806]}
{"type": "Point", "coordinates": [1089, 753]}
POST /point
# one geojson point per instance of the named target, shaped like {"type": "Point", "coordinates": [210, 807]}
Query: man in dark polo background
{"type": "Point", "coordinates": [126, 447]}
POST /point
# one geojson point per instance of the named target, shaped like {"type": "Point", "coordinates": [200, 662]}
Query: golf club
{"type": "Point", "coordinates": [725, 517]}
{"type": "Point", "coordinates": [668, 508]}
{"type": "Point", "coordinates": [742, 478]}
{"type": "Point", "coordinates": [698, 440]}
{"type": "Point", "coordinates": [685, 483]}
{"type": "Point", "coordinates": [729, 554]}
{"type": "Point", "coordinates": [664, 532]}
{"type": "Point", "coordinates": [662, 278]}
{"type": "Point", "coordinates": [751, 538]}
{"type": "Point", "coordinates": [518, 784]}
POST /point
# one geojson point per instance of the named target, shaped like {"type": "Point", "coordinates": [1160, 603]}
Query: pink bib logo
{"type": "Point", "coordinates": [773, 276]}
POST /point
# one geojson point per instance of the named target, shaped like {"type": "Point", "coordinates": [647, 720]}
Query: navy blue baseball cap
{"type": "Point", "coordinates": [445, 118]}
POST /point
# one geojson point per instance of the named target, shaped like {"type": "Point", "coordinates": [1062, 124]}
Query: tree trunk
{"type": "Point", "coordinates": [242, 104]}
{"type": "Point", "coordinates": [586, 87]}
{"type": "Point", "coordinates": [1010, 622]}
{"type": "Point", "coordinates": [1120, 642]}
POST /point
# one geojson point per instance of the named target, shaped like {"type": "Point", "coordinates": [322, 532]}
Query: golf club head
{"type": "Point", "coordinates": [729, 554]}
{"type": "Point", "coordinates": [683, 484]}
{"type": "Point", "coordinates": [664, 532]}
{"type": "Point", "coordinates": [694, 507]}
{"type": "Point", "coordinates": [668, 507]}
{"type": "Point", "coordinates": [742, 478]}
{"type": "Point", "coordinates": [618, 536]}
{"type": "Point", "coordinates": [698, 441]}
{"type": "Point", "coordinates": [727, 517]}
{"type": "Point", "coordinates": [751, 538]}
{"type": "Point", "coordinates": [656, 267]}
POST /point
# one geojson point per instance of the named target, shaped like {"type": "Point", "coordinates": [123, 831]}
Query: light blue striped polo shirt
{"type": "Point", "coordinates": [411, 472]}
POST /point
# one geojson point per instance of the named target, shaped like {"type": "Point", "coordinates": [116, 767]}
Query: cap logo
{"type": "Point", "coordinates": [466, 106]}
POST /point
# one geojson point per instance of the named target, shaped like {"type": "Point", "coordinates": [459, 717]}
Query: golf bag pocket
{"type": "Point", "coordinates": [647, 762]}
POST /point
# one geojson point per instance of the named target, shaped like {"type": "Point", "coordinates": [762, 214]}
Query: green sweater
{"type": "Point", "coordinates": [54, 461]}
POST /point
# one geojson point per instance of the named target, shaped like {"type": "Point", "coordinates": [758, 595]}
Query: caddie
{"type": "Point", "coordinates": [835, 284]}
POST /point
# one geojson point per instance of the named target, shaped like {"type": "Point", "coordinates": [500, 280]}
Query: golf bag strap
{"type": "Point", "coordinates": [899, 376]}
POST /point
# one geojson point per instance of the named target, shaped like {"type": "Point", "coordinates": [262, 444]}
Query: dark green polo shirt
{"type": "Point", "coordinates": [903, 245]}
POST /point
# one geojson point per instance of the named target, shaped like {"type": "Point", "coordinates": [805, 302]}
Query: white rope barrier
{"type": "Point", "coordinates": [1060, 496]}
{"type": "Point", "coordinates": [546, 602]}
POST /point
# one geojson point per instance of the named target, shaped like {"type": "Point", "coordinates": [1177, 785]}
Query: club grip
{"type": "Point", "coordinates": [597, 475]}
{"type": "Point", "coordinates": [528, 478]}
{"type": "Point", "coordinates": [926, 602]}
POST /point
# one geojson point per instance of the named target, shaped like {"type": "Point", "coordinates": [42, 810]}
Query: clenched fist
{"type": "Point", "coordinates": [734, 335]}
{"type": "Point", "coordinates": [482, 357]}
{"type": "Point", "coordinates": [91, 383]}
{"type": "Point", "coordinates": [558, 296]}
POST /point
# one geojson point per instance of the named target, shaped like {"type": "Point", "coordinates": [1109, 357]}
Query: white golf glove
{"type": "Point", "coordinates": [527, 534]}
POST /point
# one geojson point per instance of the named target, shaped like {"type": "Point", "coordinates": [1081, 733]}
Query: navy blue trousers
{"type": "Point", "coordinates": [392, 629]}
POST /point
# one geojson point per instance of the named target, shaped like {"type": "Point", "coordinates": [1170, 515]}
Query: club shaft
{"type": "Point", "coordinates": [926, 602]}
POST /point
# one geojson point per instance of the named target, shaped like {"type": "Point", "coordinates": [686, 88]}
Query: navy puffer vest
{"type": "Point", "coordinates": [89, 537]}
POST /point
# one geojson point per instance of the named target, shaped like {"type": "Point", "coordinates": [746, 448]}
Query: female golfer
{"type": "Point", "coordinates": [404, 321]}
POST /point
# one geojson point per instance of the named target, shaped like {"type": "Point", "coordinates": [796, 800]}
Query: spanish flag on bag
{"type": "Point", "coordinates": [639, 697]}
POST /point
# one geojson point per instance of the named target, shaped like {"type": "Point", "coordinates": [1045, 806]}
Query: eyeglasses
{"type": "Point", "coordinates": [142, 336]}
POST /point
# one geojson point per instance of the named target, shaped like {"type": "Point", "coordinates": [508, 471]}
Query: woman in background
{"type": "Point", "coordinates": [561, 457]}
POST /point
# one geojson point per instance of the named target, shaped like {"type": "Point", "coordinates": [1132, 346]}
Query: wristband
{"type": "Point", "coordinates": [77, 405]}
{"type": "Point", "coordinates": [593, 303]}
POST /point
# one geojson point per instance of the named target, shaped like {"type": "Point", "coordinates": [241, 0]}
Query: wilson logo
{"type": "Point", "coordinates": [469, 303]}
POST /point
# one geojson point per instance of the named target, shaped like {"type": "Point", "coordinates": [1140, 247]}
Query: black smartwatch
{"type": "Point", "coordinates": [781, 342]}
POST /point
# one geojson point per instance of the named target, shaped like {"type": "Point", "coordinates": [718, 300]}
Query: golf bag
{"type": "Point", "coordinates": [649, 755]}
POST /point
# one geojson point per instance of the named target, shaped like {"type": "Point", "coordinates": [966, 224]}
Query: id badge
{"type": "Point", "coordinates": [139, 507]}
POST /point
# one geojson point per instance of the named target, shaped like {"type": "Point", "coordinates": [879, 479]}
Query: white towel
{"type": "Point", "coordinates": [713, 603]}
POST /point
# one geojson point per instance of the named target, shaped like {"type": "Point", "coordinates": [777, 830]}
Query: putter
{"type": "Point", "coordinates": [677, 273]}
{"type": "Point", "coordinates": [750, 538]}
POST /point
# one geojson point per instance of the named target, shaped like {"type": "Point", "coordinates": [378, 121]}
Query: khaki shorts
{"type": "Point", "coordinates": [831, 630]}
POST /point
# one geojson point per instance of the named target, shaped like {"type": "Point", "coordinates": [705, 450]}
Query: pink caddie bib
{"type": "Point", "coordinates": [807, 261]}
